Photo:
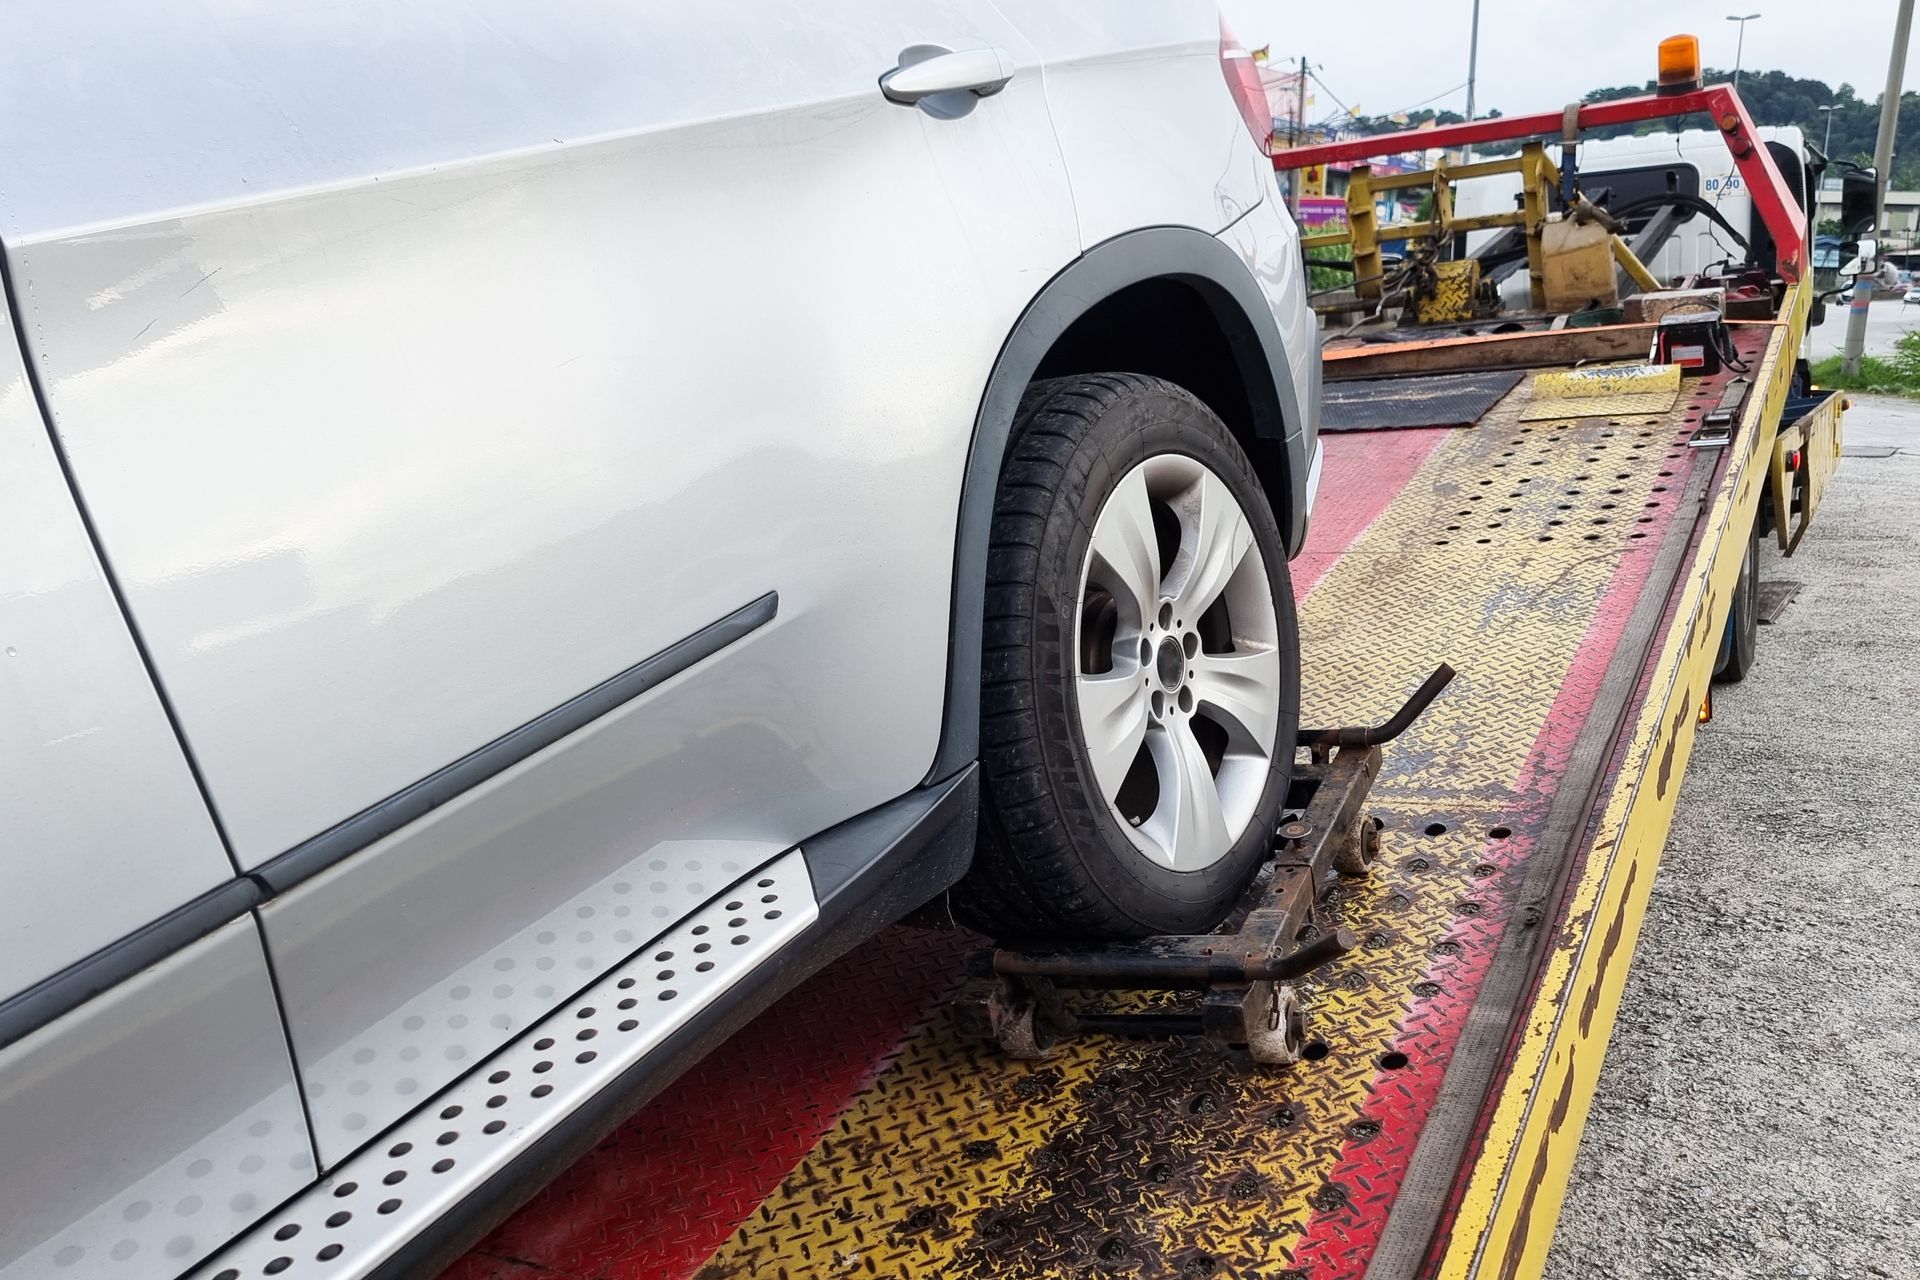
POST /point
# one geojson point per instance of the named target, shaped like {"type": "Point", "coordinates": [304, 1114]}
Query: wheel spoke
{"type": "Point", "coordinates": [1124, 542]}
{"type": "Point", "coordinates": [1188, 825]}
{"type": "Point", "coordinates": [1241, 693]}
{"type": "Point", "coordinates": [1211, 547]}
{"type": "Point", "coordinates": [1113, 716]}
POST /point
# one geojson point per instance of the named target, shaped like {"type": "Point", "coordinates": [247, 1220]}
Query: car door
{"type": "Point", "coordinates": [147, 1101]}
{"type": "Point", "coordinates": [530, 441]}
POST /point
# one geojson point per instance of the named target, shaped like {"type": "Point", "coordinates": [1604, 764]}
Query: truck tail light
{"type": "Point", "coordinates": [1243, 81]}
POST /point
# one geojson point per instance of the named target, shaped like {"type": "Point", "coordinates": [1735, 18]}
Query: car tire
{"type": "Point", "coordinates": [1743, 618]}
{"type": "Point", "coordinates": [1141, 670]}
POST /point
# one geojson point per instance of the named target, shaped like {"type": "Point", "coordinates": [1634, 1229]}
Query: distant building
{"type": "Point", "coordinates": [1903, 210]}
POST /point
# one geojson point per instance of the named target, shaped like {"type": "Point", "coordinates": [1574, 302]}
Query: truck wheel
{"type": "Point", "coordinates": [1743, 618]}
{"type": "Point", "coordinates": [1141, 684]}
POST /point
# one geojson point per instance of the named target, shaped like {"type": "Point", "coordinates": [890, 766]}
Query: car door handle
{"type": "Point", "coordinates": [982, 72]}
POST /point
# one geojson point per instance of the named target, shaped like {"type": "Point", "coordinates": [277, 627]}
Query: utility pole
{"type": "Point", "coordinates": [1890, 111]}
{"type": "Point", "coordinates": [1300, 103]}
{"type": "Point", "coordinates": [1473, 66]}
{"type": "Point", "coordinates": [1882, 175]}
{"type": "Point", "coordinates": [1740, 48]}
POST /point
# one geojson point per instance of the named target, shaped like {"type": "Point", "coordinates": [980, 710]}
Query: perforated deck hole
{"type": "Point", "coordinates": [524, 1089]}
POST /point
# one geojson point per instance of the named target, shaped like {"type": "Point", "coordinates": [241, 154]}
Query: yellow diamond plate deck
{"type": "Point", "coordinates": [1515, 552]}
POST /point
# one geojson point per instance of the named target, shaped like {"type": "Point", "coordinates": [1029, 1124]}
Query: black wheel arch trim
{"type": "Point", "coordinates": [1224, 282]}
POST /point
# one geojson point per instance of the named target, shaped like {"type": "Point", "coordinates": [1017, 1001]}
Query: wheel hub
{"type": "Point", "coordinates": [1170, 664]}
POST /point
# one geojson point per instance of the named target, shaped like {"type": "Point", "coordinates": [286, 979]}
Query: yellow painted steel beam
{"type": "Point", "coordinates": [1363, 223]}
{"type": "Point", "coordinates": [1537, 173]}
{"type": "Point", "coordinates": [1487, 222]}
{"type": "Point", "coordinates": [1435, 229]}
{"type": "Point", "coordinates": [1454, 173]}
{"type": "Point", "coordinates": [1636, 270]}
{"type": "Point", "coordinates": [1817, 439]}
{"type": "Point", "coordinates": [1781, 476]}
{"type": "Point", "coordinates": [1443, 224]}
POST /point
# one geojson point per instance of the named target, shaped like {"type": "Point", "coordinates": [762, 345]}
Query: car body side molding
{"type": "Point", "coordinates": [62, 992]}
{"type": "Point", "coordinates": [314, 855]}
{"type": "Point", "coordinates": [1153, 253]}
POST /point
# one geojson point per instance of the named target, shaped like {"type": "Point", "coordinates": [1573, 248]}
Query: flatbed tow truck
{"type": "Point", "coordinates": [1435, 1026]}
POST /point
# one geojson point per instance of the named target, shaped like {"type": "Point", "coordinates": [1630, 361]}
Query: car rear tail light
{"type": "Point", "coordinates": [1243, 81]}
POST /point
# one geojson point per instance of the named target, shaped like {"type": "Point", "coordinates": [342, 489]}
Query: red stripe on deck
{"type": "Point", "coordinates": [668, 1187]}
{"type": "Point", "coordinates": [1363, 473]}
{"type": "Point", "coordinates": [1341, 1242]}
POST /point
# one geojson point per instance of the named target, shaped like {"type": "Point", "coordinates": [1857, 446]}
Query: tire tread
{"type": "Point", "coordinates": [1028, 879]}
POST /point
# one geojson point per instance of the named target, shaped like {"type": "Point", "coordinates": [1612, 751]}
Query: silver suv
{"type": "Point", "coordinates": [525, 531]}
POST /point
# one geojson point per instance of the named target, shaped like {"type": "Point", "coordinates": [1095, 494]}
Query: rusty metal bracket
{"type": "Point", "coordinates": [1393, 727]}
{"type": "Point", "coordinates": [1243, 971]}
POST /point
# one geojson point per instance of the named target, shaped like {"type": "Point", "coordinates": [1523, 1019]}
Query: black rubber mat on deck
{"type": "Point", "coordinates": [1433, 400]}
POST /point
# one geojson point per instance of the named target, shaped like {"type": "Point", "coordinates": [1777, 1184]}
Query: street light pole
{"type": "Point", "coordinates": [1740, 48]}
{"type": "Point", "coordinates": [1826, 144]}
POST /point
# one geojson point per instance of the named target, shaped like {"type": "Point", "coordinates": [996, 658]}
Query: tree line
{"type": "Point", "coordinates": [1772, 97]}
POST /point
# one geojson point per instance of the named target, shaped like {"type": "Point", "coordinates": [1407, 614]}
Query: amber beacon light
{"type": "Point", "coordinates": [1679, 64]}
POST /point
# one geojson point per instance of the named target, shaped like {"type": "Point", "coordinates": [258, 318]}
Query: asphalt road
{"type": "Point", "coordinates": [1886, 321]}
{"type": "Point", "coordinates": [1759, 1111]}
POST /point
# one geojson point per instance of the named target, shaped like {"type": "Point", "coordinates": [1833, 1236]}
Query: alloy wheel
{"type": "Point", "coordinates": [1178, 664]}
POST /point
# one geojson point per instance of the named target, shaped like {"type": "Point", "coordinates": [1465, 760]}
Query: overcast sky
{"type": "Point", "coordinates": [1535, 54]}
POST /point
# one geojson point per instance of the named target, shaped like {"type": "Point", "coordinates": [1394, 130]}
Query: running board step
{"type": "Point", "coordinates": [348, 1223]}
